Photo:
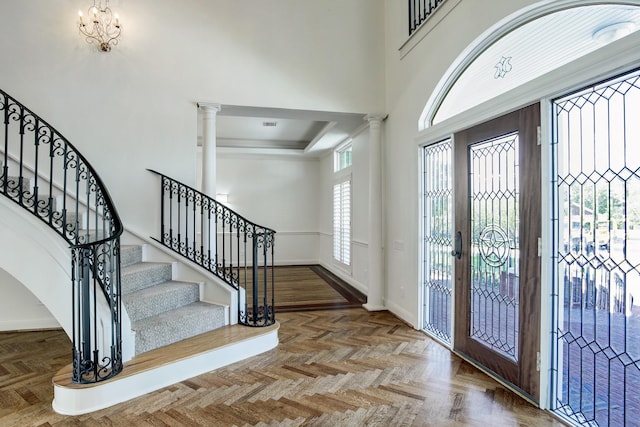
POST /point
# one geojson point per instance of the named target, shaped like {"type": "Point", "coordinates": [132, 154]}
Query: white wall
{"type": "Point", "coordinates": [134, 107]}
{"type": "Point", "coordinates": [20, 309]}
{"type": "Point", "coordinates": [411, 77]}
{"type": "Point", "coordinates": [279, 192]}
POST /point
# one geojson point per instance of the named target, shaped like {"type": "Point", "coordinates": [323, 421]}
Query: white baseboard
{"type": "Point", "coordinates": [285, 262]}
{"type": "Point", "coordinates": [370, 307]}
{"type": "Point", "coordinates": [29, 324]}
{"type": "Point", "coordinates": [402, 313]}
{"type": "Point", "coordinates": [350, 280]}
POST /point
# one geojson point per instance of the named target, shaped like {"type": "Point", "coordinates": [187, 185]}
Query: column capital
{"type": "Point", "coordinates": [210, 106]}
{"type": "Point", "coordinates": [376, 117]}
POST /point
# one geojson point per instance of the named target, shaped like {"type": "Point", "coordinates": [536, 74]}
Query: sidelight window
{"type": "Point", "coordinates": [597, 253]}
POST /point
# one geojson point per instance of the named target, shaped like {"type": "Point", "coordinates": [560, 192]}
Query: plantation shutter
{"type": "Point", "coordinates": [342, 222]}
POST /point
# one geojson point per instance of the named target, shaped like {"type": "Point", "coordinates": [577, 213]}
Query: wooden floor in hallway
{"type": "Point", "coordinates": [312, 287]}
{"type": "Point", "coordinates": [344, 367]}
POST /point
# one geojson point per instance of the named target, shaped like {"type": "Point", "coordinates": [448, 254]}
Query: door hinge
{"type": "Point", "coordinates": [538, 361]}
{"type": "Point", "coordinates": [539, 246]}
{"type": "Point", "coordinates": [539, 136]}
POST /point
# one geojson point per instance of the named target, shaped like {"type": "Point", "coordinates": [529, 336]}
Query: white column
{"type": "Point", "coordinates": [375, 295]}
{"type": "Point", "coordinates": [209, 112]}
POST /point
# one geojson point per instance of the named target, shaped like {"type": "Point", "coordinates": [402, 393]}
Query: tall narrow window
{"type": "Point", "coordinates": [342, 222]}
{"type": "Point", "coordinates": [437, 228]}
{"type": "Point", "coordinates": [597, 253]}
{"type": "Point", "coordinates": [342, 162]}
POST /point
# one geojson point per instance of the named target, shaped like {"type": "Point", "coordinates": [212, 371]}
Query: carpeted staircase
{"type": "Point", "coordinates": [163, 311]}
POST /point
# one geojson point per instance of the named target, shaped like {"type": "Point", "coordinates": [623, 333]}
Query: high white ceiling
{"type": "Point", "coordinates": [293, 131]}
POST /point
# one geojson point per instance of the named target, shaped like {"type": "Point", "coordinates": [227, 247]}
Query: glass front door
{"type": "Point", "coordinates": [497, 187]}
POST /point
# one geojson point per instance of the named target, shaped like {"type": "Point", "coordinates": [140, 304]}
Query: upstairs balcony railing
{"type": "Point", "coordinates": [420, 11]}
{"type": "Point", "coordinates": [46, 175]}
{"type": "Point", "coordinates": [223, 242]}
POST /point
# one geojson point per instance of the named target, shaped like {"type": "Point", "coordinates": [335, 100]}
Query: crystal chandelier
{"type": "Point", "coordinates": [103, 26]}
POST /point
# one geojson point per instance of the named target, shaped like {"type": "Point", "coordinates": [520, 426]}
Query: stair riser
{"type": "Point", "coordinates": [134, 281]}
{"type": "Point", "coordinates": [130, 255]}
{"type": "Point", "coordinates": [142, 304]}
{"type": "Point", "coordinates": [168, 329]}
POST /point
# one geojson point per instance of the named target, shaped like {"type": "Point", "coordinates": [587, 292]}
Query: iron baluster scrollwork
{"type": "Point", "coordinates": [216, 238]}
{"type": "Point", "coordinates": [420, 11]}
{"type": "Point", "coordinates": [46, 175]}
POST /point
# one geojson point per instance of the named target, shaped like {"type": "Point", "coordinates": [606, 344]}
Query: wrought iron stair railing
{"type": "Point", "coordinates": [420, 11]}
{"type": "Point", "coordinates": [224, 243]}
{"type": "Point", "coordinates": [45, 174]}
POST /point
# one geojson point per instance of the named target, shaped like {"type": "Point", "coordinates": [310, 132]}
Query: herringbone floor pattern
{"type": "Point", "coordinates": [333, 368]}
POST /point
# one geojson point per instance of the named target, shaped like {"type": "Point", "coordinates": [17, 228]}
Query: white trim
{"type": "Point", "coordinates": [613, 59]}
{"type": "Point", "coordinates": [346, 276]}
{"type": "Point", "coordinates": [546, 280]}
{"type": "Point", "coordinates": [30, 324]}
{"type": "Point", "coordinates": [82, 400]}
{"type": "Point", "coordinates": [402, 313]}
{"type": "Point", "coordinates": [325, 130]}
{"type": "Point", "coordinates": [491, 35]}
{"type": "Point", "coordinates": [427, 26]}
{"type": "Point", "coordinates": [206, 105]}
{"type": "Point", "coordinates": [295, 262]}
{"type": "Point", "coordinates": [297, 233]}
{"type": "Point", "coordinates": [359, 243]}
{"type": "Point", "coordinates": [282, 153]}
{"type": "Point", "coordinates": [420, 318]}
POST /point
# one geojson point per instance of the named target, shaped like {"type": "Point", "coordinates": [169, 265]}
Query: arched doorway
{"type": "Point", "coordinates": [499, 74]}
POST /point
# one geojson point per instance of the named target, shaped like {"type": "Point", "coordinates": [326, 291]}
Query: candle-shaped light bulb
{"type": "Point", "coordinates": [95, 11]}
{"type": "Point", "coordinates": [117, 20]}
{"type": "Point", "coordinates": [80, 15]}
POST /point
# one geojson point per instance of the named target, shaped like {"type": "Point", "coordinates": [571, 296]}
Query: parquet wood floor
{"type": "Point", "coordinates": [344, 367]}
{"type": "Point", "coordinates": [312, 287]}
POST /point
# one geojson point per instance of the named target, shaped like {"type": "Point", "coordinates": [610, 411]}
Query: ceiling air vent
{"type": "Point", "coordinates": [269, 124]}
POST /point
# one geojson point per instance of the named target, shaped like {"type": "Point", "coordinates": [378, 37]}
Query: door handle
{"type": "Point", "coordinates": [457, 252]}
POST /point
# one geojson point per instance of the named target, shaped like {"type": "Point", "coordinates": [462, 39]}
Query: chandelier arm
{"type": "Point", "coordinates": [104, 31]}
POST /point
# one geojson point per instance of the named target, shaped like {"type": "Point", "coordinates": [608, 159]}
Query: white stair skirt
{"type": "Point", "coordinates": [167, 365]}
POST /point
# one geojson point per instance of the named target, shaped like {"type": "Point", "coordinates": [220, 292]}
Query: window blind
{"type": "Point", "coordinates": [342, 222]}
